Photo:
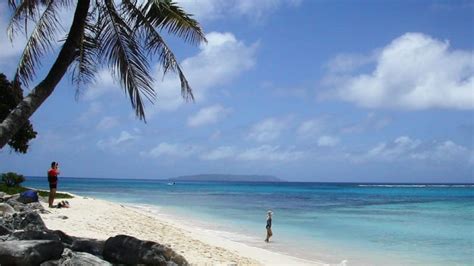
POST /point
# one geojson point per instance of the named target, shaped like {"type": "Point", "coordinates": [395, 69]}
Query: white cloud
{"type": "Point", "coordinates": [94, 109]}
{"type": "Point", "coordinates": [404, 148]}
{"type": "Point", "coordinates": [219, 153]}
{"type": "Point", "coordinates": [310, 128]}
{"type": "Point", "coordinates": [219, 61]}
{"type": "Point", "coordinates": [344, 63]}
{"type": "Point", "coordinates": [208, 115]}
{"type": "Point", "coordinates": [414, 71]}
{"type": "Point", "coordinates": [270, 153]}
{"type": "Point", "coordinates": [218, 9]}
{"type": "Point", "coordinates": [104, 84]}
{"type": "Point", "coordinates": [172, 150]}
{"type": "Point", "coordinates": [117, 144]}
{"type": "Point", "coordinates": [371, 122]}
{"type": "Point", "coordinates": [267, 130]}
{"type": "Point", "coordinates": [108, 122]}
{"type": "Point", "coordinates": [327, 141]}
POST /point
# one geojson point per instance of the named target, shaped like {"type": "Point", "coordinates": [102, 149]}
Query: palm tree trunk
{"type": "Point", "coordinates": [15, 120]}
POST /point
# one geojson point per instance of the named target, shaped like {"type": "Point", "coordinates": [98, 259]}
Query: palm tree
{"type": "Point", "coordinates": [122, 35]}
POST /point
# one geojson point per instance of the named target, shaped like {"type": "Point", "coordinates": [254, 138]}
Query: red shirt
{"type": "Point", "coordinates": [53, 176]}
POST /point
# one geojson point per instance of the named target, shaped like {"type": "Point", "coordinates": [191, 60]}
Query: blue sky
{"type": "Point", "coordinates": [357, 91]}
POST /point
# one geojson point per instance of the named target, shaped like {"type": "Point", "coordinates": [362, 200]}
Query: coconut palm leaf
{"type": "Point", "coordinates": [125, 56]}
{"type": "Point", "coordinates": [40, 40]}
{"type": "Point", "coordinates": [165, 14]}
{"type": "Point", "coordinates": [85, 61]}
{"type": "Point", "coordinates": [155, 44]}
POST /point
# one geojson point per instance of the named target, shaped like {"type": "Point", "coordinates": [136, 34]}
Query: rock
{"type": "Point", "coordinates": [34, 206]}
{"type": "Point", "coordinates": [13, 201]}
{"type": "Point", "coordinates": [92, 246]}
{"type": "Point", "coordinates": [76, 258]}
{"type": "Point", "coordinates": [35, 235]}
{"type": "Point", "coordinates": [3, 195]}
{"type": "Point", "coordinates": [24, 221]}
{"type": "Point", "coordinates": [4, 230]}
{"type": "Point", "coordinates": [29, 252]}
{"type": "Point", "coordinates": [32, 221]}
{"type": "Point", "coordinates": [123, 249]}
{"type": "Point", "coordinates": [6, 209]}
{"type": "Point", "coordinates": [66, 239]}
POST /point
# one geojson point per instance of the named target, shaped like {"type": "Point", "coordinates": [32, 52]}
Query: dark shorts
{"type": "Point", "coordinates": [53, 185]}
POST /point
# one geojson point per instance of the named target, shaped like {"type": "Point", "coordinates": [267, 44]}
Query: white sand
{"type": "Point", "coordinates": [94, 218]}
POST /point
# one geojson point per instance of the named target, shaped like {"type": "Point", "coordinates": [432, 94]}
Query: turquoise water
{"type": "Point", "coordinates": [363, 224]}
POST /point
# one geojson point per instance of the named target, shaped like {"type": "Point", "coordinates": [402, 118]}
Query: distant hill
{"type": "Point", "coordinates": [227, 178]}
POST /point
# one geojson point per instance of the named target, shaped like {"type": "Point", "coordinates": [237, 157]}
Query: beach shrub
{"type": "Point", "coordinates": [12, 179]}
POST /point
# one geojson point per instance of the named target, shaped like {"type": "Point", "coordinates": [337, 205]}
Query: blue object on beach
{"type": "Point", "coordinates": [28, 196]}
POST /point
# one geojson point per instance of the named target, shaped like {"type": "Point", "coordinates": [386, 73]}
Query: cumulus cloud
{"type": "Point", "coordinates": [220, 153]}
{"type": "Point", "coordinates": [108, 122]}
{"type": "Point", "coordinates": [172, 150]}
{"type": "Point", "coordinates": [414, 71]}
{"type": "Point", "coordinates": [218, 9]}
{"type": "Point", "coordinates": [208, 115]}
{"type": "Point", "coordinates": [267, 130]}
{"type": "Point", "coordinates": [310, 128]}
{"type": "Point", "coordinates": [117, 144]}
{"type": "Point", "coordinates": [371, 122]}
{"type": "Point", "coordinates": [219, 61]}
{"type": "Point", "coordinates": [269, 153]}
{"type": "Point", "coordinates": [104, 84]}
{"type": "Point", "coordinates": [327, 141]}
{"type": "Point", "coordinates": [405, 148]}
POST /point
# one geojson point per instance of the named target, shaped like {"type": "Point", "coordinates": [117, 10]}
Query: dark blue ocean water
{"type": "Point", "coordinates": [364, 224]}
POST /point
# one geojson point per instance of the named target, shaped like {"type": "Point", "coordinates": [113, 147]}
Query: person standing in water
{"type": "Point", "coordinates": [269, 226]}
{"type": "Point", "coordinates": [53, 182]}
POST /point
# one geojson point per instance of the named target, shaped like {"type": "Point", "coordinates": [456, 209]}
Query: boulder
{"type": "Point", "coordinates": [123, 249]}
{"type": "Point", "coordinates": [4, 230]}
{"type": "Point", "coordinates": [92, 246]}
{"type": "Point", "coordinates": [29, 252]}
{"type": "Point", "coordinates": [6, 209]}
{"type": "Point", "coordinates": [30, 221]}
{"type": "Point", "coordinates": [34, 235]}
{"type": "Point", "coordinates": [13, 201]}
{"type": "Point", "coordinates": [76, 258]}
{"type": "Point", "coordinates": [3, 196]}
{"type": "Point", "coordinates": [66, 239]}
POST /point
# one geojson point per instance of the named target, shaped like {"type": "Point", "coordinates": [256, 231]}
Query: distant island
{"type": "Point", "coordinates": [227, 178]}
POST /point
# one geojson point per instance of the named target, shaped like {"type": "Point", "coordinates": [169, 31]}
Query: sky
{"type": "Point", "coordinates": [324, 91]}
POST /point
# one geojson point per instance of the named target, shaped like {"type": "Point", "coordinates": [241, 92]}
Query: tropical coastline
{"type": "Point", "coordinates": [100, 219]}
{"type": "Point", "coordinates": [334, 223]}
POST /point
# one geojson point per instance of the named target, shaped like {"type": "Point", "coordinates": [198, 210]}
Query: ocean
{"type": "Point", "coordinates": [337, 223]}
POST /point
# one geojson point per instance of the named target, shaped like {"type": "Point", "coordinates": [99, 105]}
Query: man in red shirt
{"type": "Point", "coordinates": [53, 182]}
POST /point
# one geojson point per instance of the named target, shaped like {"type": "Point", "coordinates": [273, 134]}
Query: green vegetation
{"type": "Point", "coordinates": [10, 97]}
{"type": "Point", "coordinates": [11, 185]}
{"type": "Point", "coordinates": [42, 193]}
{"type": "Point", "coordinates": [11, 179]}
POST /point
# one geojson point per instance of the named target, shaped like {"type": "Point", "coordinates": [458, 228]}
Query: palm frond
{"type": "Point", "coordinates": [165, 14]}
{"type": "Point", "coordinates": [41, 38]}
{"type": "Point", "coordinates": [85, 64]}
{"type": "Point", "coordinates": [125, 57]}
{"type": "Point", "coordinates": [23, 11]}
{"type": "Point", "coordinates": [155, 44]}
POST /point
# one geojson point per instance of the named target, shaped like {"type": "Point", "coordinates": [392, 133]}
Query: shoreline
{"type": "Point", "coordinates": [100, 219]}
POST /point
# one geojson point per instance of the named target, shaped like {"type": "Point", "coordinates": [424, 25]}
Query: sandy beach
{"type": "Point", "coordinates": [100, 219]}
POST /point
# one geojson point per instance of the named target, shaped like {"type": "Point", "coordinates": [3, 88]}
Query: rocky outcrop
{"type": "Point", "coordinates": [124, 249]}
{"type": "Point", "coordinates": [70, 257]}
{"type": "Point", "coordinates": [25, 240]}
{"type": "Point", "coordinates": [29, 252]}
